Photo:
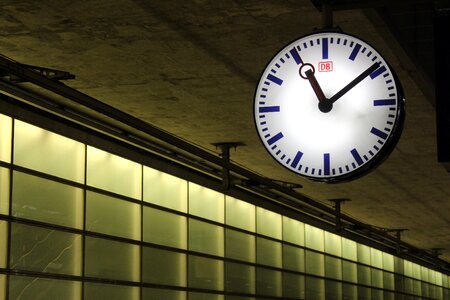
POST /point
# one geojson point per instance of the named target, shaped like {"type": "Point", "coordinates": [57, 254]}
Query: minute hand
{"type": "Point", "coordinates": [354, 82]}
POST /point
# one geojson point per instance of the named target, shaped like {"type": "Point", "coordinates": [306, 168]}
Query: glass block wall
{"type": "Point", "coordinates": [77, 222]}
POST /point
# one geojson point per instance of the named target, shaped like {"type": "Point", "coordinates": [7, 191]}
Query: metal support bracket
{"type": "Point", "coordinates": [337, 207]}
{"type": "Point", "coordinates": [225, 154]}
{"type": "Point", "coordinates": [47, 72]}
{"type": "Point", "coordinates": [398, 235]}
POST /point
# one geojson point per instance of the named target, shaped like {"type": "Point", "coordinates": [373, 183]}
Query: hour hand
{"type": "Point", "coordinates": [307, 72]}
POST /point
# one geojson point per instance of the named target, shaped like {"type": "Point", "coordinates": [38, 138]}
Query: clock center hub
{"type": "Point", "coordinates": [325, 106]}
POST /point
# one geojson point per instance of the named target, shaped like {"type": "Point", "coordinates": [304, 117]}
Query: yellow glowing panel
{"type": "Point", "coordinates": [268, 223]}
{"type": "Point", "coordinates": [376, 258]}
{"type": "Point", "coordinates": [25, 287]}
{"type": "Point", "coordinates": [3, 244]}
{"type": "Point", "coordinates": [333, 244]}
{"type": "Point", "coordinates": [240, 214]}
{"type": "Point", "coordinates": [363, 254]}
{"type": "Point", "coordinates": [95, 291]}
{"type": "Point", "coordinates": [113, 173]}
{"type": "Point", "coordinates": [349, 249]}
{"type": "Point", "coordinates": [388, 262]}
{"type": "Point", "coordinates": [407, 268]}
{"type": "Point", "coordinates": [165, 190]}
{"type": "Point", "coordinates": [2, 287]}
{"type": "Point", "coordinates": [314, 238]}
{"type": "Point", "coordinates": [4, 191]}
{"type": "Point", "coordinates": [293, 231]}
{"type": "Point", "coordinates": [206, 203]}
{"type": "Point", "coordinates": [48, 152]}
{"type": "Point", "coordinates": [5, 138]}
{"type": "Point", "coordinates": [424, 273]}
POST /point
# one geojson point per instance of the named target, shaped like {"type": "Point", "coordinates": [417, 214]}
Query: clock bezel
{"type": "Point", "coordinates": [386, 149]}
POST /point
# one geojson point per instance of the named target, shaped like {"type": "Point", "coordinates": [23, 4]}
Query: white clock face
{"type": "Point", "coordinates": [329, 107]}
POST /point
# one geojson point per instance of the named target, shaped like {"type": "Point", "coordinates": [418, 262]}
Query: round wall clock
{"type": "Point", "coordinates": [329, 107]}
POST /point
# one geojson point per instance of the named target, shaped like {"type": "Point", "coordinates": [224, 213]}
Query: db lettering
{"type": "Point", "coordinates": [325, 66]}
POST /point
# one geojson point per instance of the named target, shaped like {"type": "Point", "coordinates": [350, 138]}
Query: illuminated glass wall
{"type": "Point", "coordinates": [77, 222]}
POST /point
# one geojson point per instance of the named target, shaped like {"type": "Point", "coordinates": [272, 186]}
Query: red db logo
{"type": "Point", "coordinates": [325, 66]}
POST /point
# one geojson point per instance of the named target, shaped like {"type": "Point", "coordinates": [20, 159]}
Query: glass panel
{"type": "Point", "coordinates": [163, 267]}
{"type": "Point", "coordinates": [349, 249]}
{"type": "Point", "coordinates": [333, 244]}
{"type": "Point", "coordinates": [364, 275]}
{"type": "Point", "coordinates": [425, 289]}
{"type": "Point", "coordinates": [205, 273]}
{"type": "Point", "coordinates": [47, 201]}
{"type": "Point", "coordinates": [349, 271]}
{"type": "Point", "coordinates": [388, 281]}
{"type": "Point", "coordinates": [42, 288]}
{"type": "Point", "coordinates": [417, 288]}
{"type": "Point", "coordinates": [349, 291]}
{"type": "Point", "coordinates": [268, 252]}
{"type": "Point", "coordinates": [153, 294]}
{"type": "Point", "coordinates": [333, 267]}
{"type": "Point", "coordinates": [293, 258]}
{"type": "Point", "coordinates": [4, 191]}
{"type": "Point", "coordinates": [293, 286]}
{"type": "Point", "coordinates": [103, 213]}
{"type": "Point", "coordinates": [407, 268]}
{"type": "Point", "coordinates": [206, 238]}
{"type": "Point", "coordinates": [5, 138]}
{"type": "Point", "coordinates": [112, 260]}
{"type": "Point", "coordinates": [45, 250]}
{"type": "Point", "coordinates": [315, 263]}
{"type": "Point", "coordinates": [314, 238]}
{"type": "Point", "coordinates": [377, 278]}
{"type": "Point", "coordinates": [377, 294]}
{"type": "Point", "coordinates": [239, 245]}
{"type": "Point", "coordinates": [409, 285]}
{"type": "Point", "coordinates": [416, 271]}
{"type": "Point", "coordinates": [239, 278]}
{"type": "Point", "coordinates": [2, 287]}
{"type": "Point", "coordinates": [293, 231]}
{"type": "Point", "coordinates": [240, 214]}
{"type": "Point", "coordinates": [268, 282]}
{"type": "Point", "coordinates": [363, 254]}
{"type": "Point", "coordinates": [173, 233]}
{"type": "Point", "coordinates": [165, 190]}
{"type": "Point", "coordinates": [97, 291]}
{"type": "Point", "coordinates": [333, 290]}
{"type": "Point", "coordinates": [364, 293]}
{"type": "Point", "coordinates": [203, 296]}
{"type": "Point", "coordinates": [388, 262]}
{"type": "Point", "coordinates": [268, 223]}
{"type": "Point", "coordinates": [3, 243]}
{"type": "Point", "coordinates": [113, 173]}
{"type": "Point", "coordinates": [315, 288]}
{"type": "Point", "coordinates": [389, 295]}
{"type": "Point", "coordinates": [52, 153]}
{"type": "Point", "coordinates": [206, 203]}
{"type": "Point", "coordinates": [424, 274]}
{"type": "Point", "coordinates": [376, 258]}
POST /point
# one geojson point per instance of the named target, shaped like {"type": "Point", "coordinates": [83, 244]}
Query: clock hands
{"type": "Point", "coordinates": [354, 82]}
{"type": "Point", "coordinates": [325, 104]}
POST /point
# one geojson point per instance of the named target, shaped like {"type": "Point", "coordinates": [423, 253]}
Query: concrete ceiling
{"type": "Point", "coordinates": [191, 67]}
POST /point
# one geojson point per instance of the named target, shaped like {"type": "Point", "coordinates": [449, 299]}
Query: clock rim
{"type": "Point", "coordinates": [386, 149]}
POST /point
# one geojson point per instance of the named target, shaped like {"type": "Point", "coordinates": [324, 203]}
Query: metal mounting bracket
{"type": "Point", "coordinates": [225, 154]}
{"type": "Point", "coordinates": [337, 207]}
{"type": "Point", "coordinates": [47, 72]}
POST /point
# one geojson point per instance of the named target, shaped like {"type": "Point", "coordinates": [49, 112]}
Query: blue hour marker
{"type": "Point", "coordinates": [266, 109]}
{"type": "Point", "coordinates": [356, 156]}
{"type": "Point", "coordinates": [297, 158]}
{"type": "Point", "coordinates": [296, 56]}
{"type": "Point", "coordinates": [382, 102]}
{"type": "Point", "coordinates": [377, 72]}
{"type": "Point", "coordinates": [275, 138]}
{"type": "Point", "coordinates": [326, 163]}
{"type": "Point", "coordinates": [379, 133]}
{"type": "Point", "coordinates": [325, 48]}
{"type": "Point", "coordinates": [354, 52]}
{"type": "Point", "coordinates": [275, 79]}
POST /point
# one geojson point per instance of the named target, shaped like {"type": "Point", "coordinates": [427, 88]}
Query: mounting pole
{"type": "Point", "coordinates": [225, 154]}
{"type": "Point", "coordinates": [337, 206]}
{"type": "Point", "coordinates": [327, 15]}
{"type": "Point", "coordinates": [398, 235]}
